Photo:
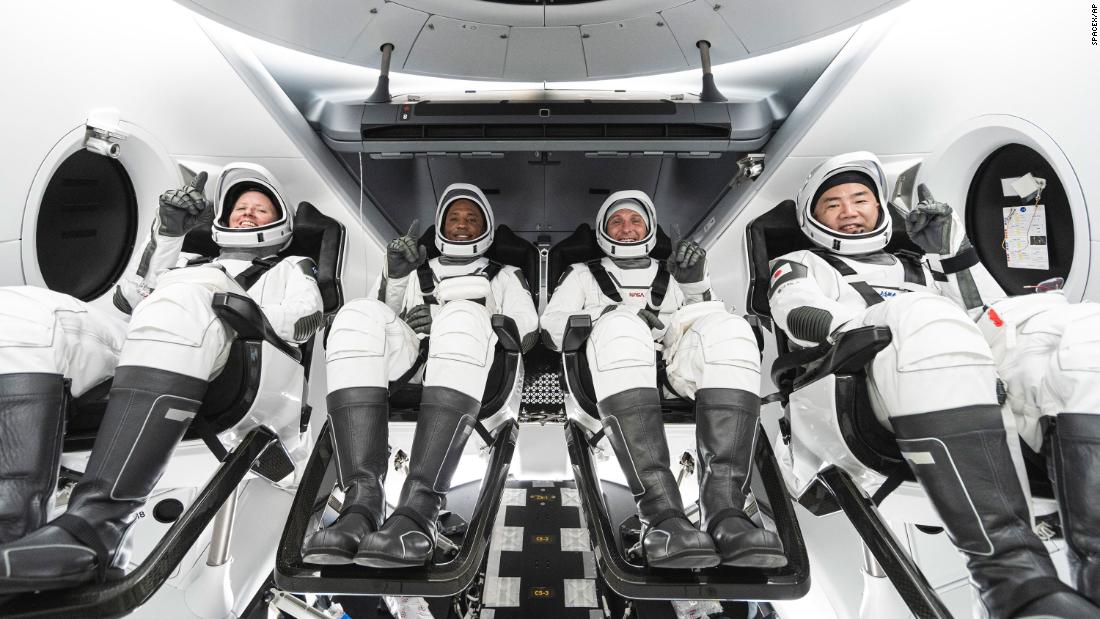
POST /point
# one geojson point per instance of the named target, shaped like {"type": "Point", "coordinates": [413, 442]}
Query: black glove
{"type": "Point", "coordinates": [929, 223]}
{"type": "Point", "coordinates": [650, 318]}
{"type": "Point", "coordinates": [184, 209]}
{"type": "Point", "coordinates": [689, 262]}
{"type": "Point", "coordinates": [403, 255]}
{"type": "Point", "coordinates": [419, 319]}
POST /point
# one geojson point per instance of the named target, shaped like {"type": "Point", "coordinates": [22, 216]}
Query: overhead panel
{"type": "Point", "coordinates": [582, 13]}
{"type": "Point", "coordinates": [482, 11]}
{"type": "Point", "coordinates": [326, 28]}
{"type": "Point", "coordinates": [698, 21]}
{"type": "Point", "coordinates": [619, 48]}
{"type": "Point", "coordinates": [624, 37]}
{"type": "Point", "coordinates": [450, 47]}
{"type": "Point", "coordinates": [548, 54]}
{"type": "Point", "coordinates": [392, 24]}
{"type": "Point", "coordinates": [764, 27]}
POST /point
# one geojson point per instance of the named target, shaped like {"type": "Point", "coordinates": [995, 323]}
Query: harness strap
{"type": "Point", "coordinates": [427, 279]}
{"type": "Point", "coordinates": [658, 288]}
{"type": "Point", "coordinates": [865, 290]}
{"type": "Point", "coordinates": [890, 484]}
{"type": "Point", "coordinates": [607, 286]}
{"type": "Point", "coordinates": [248, 277]}
{"type": "Point", "coordinates": [86, 534]}
{"type": "Point", "coordinates": [427, 283]}
{"type": "Point", "coordinates": [209, 437]}
{"type": "Point", "coordinates": [964, 260]}
{"type": "Point", "coordinates": [911, 264]}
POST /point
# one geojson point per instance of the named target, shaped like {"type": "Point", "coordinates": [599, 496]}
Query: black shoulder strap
{"type": "Point", "coordinates": [248, 277]}
{"type": "Point", "coordinates": [910, 262]}
{"type": "Point", "coordinates": [427, 282]}
{"type": "Point", "coordinates": [199, 260]}
{"type": "Point", "coordinates": [492, 269]}
{"type": "Point", "coordinates": [659, 286]}
{"type": "Point", "coordinates": [607, 287]}
{"type": "Point", "coordinates": [870, 297]}
{"type": "Point", "coordinates": [834, 261]}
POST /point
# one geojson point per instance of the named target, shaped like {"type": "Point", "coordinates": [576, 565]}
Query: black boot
{"type": "Point", "coordinates": [1074, 461]}
{"type": "Point", "coordinates": [32, 424]}
{"type": "Point", "coordinates": [725, 424]}
{"type": "Point", "coordinates": [359, 421]}
{"type": "Point", "coordinates": [632, 423]}
{"type": "Point", "coordinates": [961, 458]}
{"type": "Point", "coordinates": [147, 414]}
{"type": "Point", "coordinates": [407, 538]}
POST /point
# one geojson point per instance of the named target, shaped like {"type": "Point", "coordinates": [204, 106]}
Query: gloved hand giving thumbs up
{"type": "Point", "coordinates": [403, 254]}
{"type": "Point", "coordinates": [184, 209]}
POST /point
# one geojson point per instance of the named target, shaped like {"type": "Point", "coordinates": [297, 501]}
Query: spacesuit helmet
{"type": "Point", "coordinates": [634, 200]}
{"type": "Point", "coordinates": [235, 180]}
{"type": "Point", "coordinates": [468, 247]}
{"type": "Point", "coordinates": [858, 167]}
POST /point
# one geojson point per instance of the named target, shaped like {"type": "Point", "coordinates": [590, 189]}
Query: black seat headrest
{"type": "Point", "coordinates": [316, 236]}
{"type": "Point", "coordinates": [507, 248]}
{"type": "Point", "coordinates": [581, 246]}
{"type": "Point", "coordinates": [776, 233]}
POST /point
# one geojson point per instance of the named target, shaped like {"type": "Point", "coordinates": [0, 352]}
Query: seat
{"type": "Point", "coordinates": [264, 377]}
{"type": "Point", "coordinates": [872, 446]}
{"type": "Point", "coordinates": [580, 246]}
{"type": "Point", "coordinates": [509, 249]}
{"type": "Point", "coordinates": [837, 444]}
{"type": "Point", "coordinates": [624, 575]}
{"type": "Point", "coordinates": [498, 428]}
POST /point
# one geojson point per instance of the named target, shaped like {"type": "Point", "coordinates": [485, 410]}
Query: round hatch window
{"type": "Point", "coordinates": [86, 226]}
{"type": "Point", "coordinates": [1021, 239]}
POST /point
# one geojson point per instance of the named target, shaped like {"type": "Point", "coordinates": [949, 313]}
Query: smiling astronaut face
{"type": "Point", "coordinates": [463, 221]}
{"type": "Point", "coordinates": [850, 208]}
{"type": "Point", "coordinates": [627, 225]}
{"type": "Point", "coordinates": [252, 210]}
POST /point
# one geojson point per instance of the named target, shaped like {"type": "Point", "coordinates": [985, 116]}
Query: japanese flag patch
{"type": "Point", "coordinates": [784, 271]}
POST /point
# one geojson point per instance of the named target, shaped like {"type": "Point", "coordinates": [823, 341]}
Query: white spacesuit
{"type": "Point", "coordinates": [936, 384]}
{"type": "Point", "coordinates": [161, 361]}
{"type": "Point", "coordinates": [375, 341]}
{"type": "Point", "coordinates": [711, 354]}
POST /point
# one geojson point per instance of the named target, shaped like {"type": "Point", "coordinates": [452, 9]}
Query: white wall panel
{"type": "Point", "coordinates": [11, 269]}
{"type": "Point", "coordinates": [766, 26]}
{"type": "Point", "coordinates": [163, 74]}
{"type": "Point", "coordinates": [327, 28]}
{"type": "Point", "coordinates": [928, 77]}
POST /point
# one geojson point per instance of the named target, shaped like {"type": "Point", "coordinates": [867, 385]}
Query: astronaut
{"type": "Point", "coordinates": [161, 361]}
{"type": "Point", "coordinates": [711, 354]}
{"type": "Point", "coordinates": [936, 384]}
{"type": "Point", "coordinates": [374, 341]}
